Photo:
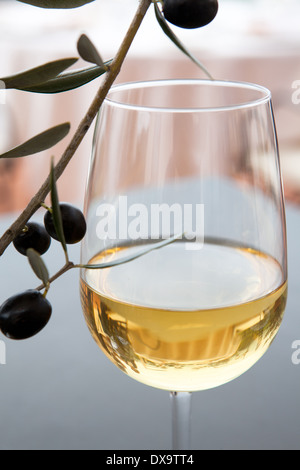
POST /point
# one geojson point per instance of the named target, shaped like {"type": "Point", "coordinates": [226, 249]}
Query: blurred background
{"type": "Point", "coordinates": [58, 391]}
{"type": "Point", "coordinates": [251, 40]}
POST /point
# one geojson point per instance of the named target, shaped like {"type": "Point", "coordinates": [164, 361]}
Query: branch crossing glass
{"type": "Point", "coordinates": [197, 159]}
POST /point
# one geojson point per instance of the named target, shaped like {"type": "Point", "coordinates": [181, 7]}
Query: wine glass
{"type": "Point", "coordinates": [193, 163]}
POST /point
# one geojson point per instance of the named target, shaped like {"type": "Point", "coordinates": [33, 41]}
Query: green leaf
{"type": "Point", "coordinates": [168, 31]}
{"type": "Point", "coordinates": [56, 3]}
{"type": "Point", "coordinates": [38, 265]}
{"type": "Point", "coordinates": [134, 256]}
{"type": "Point", "coordinates": [56, 213]}
{"type": "Point", "coordinates": [88, 51]}
{"type": "Point", "coordinates": [69, 81]}
{"type": "Point", "coordinates": [40, 142]}
{"type": "Point", "coordinates": [38, 75]}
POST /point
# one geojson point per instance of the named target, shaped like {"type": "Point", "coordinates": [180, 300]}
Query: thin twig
{"type": "Point", "coordinates": [69, 265]}
{"type": "Point", "coordinates": [82, 129]}
{"type": "Point", "coordinates": [109, 264]}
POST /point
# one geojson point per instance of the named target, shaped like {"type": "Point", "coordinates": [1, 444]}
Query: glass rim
{"type": "Point", "coordinates": [265, 94]}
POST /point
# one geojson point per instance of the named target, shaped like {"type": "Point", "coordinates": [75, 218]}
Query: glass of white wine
{"type": "Point", "coordinates": [195, 163]}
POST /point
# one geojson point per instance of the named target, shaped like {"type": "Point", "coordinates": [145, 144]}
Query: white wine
{"type": "Point", "coordinates": [185, 320]}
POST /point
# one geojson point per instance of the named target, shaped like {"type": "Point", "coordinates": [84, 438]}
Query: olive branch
{"type": "Point", "coordinates": [54, 77]}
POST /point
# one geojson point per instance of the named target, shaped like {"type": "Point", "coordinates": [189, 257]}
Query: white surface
{"type": "Point", "coordinates": [241, 27]}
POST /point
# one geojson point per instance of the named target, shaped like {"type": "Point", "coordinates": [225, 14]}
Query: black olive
{"type": "Point", "coordinates": [190, 13]}
{"type": "Point", "coordinates": [32, 236]}
{"type": "Point", "coordinates": [73, 221]}
{"type": "Point", "coordinates": [24, 315]}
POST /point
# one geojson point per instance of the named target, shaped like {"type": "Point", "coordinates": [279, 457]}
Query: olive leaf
{"type": "Point", "coordinates": [40, 142]}
{"type": "Point", "coordinates": [134, 256]}
{"type": "Point", "coordinates": [38, 265]}
{"type": "Point", "coordinates": [69, 80]}
{"type": "Point", "coordinates": [171, 35]}
{"type": "Point", "coordinates": [57, 3]}
{"type": "Point", "coordinates": [56, 213]}
{"type": "Point", "coordinates": [38, 75]}
{"type": "Point", "coordinates": [88, 51]}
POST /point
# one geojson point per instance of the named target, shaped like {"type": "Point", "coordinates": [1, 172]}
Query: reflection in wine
{"type": "Point", "coordinates": [193, 321]}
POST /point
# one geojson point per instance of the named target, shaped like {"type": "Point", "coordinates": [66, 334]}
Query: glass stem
{"type": "Point", "coordinates": [181, 420]}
